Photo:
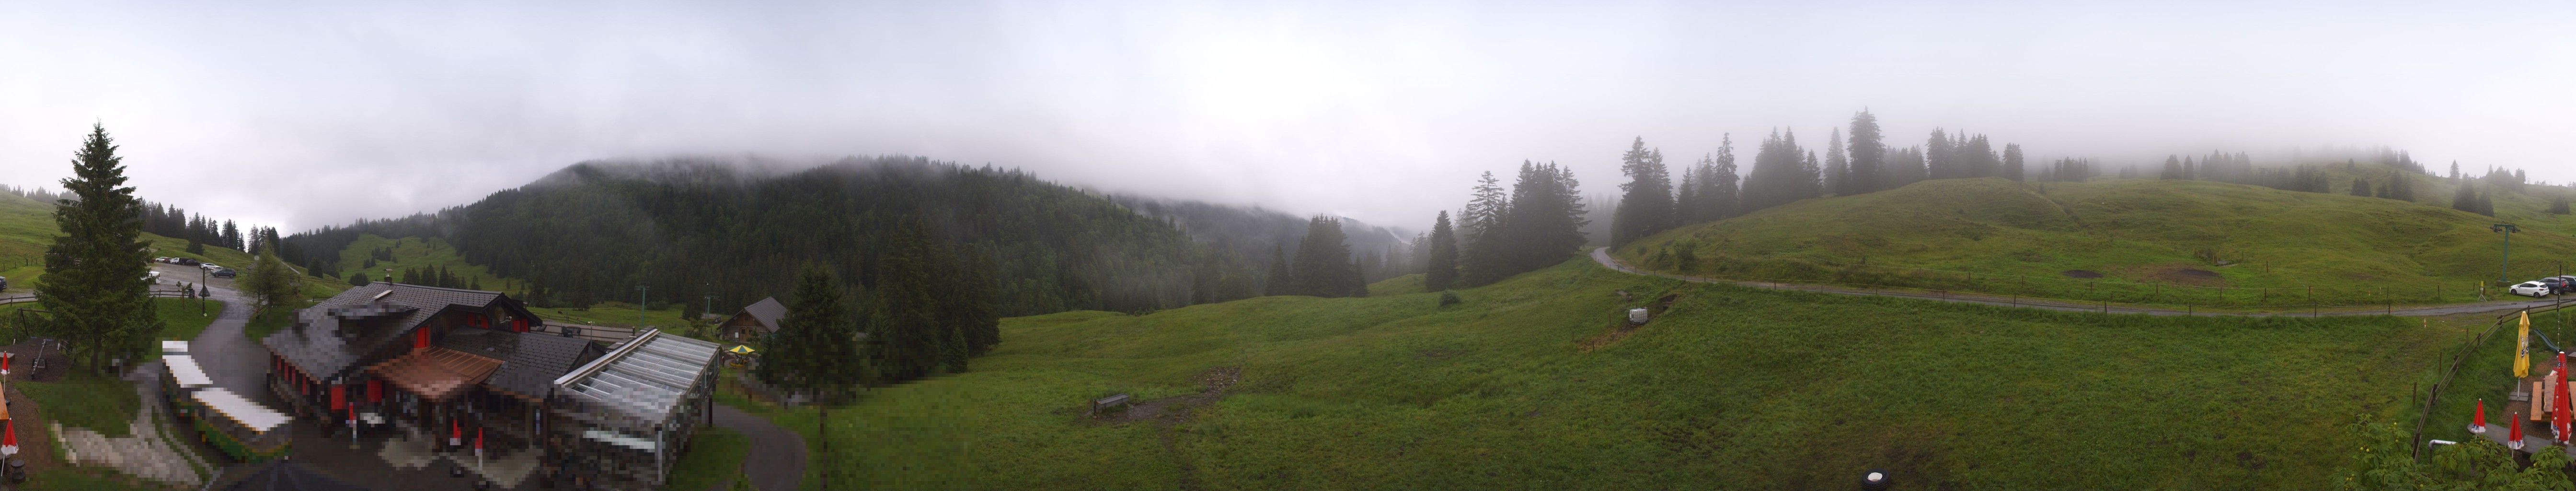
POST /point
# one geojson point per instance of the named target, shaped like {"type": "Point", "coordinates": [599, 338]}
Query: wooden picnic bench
{"type": "Point", "coordinates": [1108, 402]}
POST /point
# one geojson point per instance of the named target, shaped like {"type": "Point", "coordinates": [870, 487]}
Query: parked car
{"type": "Point", "coordinates": [224, 273]}
{"type": "Point", "coordinates": [160, 259]}
{"type": "Point", "coordinates": [2533, 289]}
{"type": "Point", "coordinates": [4, 282]}
{"type": "Point", "coordinates": [153, 277]}
{"type": "Point", "coordinates": [210, 266]}
{"type": "Point", "coordinates": [2558, 285]}
{"type": "Point", "coordinates": [184, 261]}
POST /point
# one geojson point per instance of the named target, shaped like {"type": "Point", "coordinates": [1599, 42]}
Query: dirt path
{"type": "Point", "coordinates": [1602, 256]}
{"type": "Point", "coordinates": [1170, 412]}
{"type": "Point", "coordinates": [777, 458]}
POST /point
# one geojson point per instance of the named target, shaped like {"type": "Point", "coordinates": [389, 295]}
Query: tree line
{"type": "Point", "coordinates": [171, 221]}
{"type": "Point", "coordinates": [594, 231]}
{"type": "Point", "coordinates": [1784, 171]}
{"type": "Point", "coordinates": [1534, 224]}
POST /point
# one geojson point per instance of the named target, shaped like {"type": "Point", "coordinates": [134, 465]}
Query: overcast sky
{"type": "Point", "coordinates": [302, 115]}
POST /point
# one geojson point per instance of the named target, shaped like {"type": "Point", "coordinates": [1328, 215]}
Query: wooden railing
{"type": "Point", "coordinates": [2426, 415]}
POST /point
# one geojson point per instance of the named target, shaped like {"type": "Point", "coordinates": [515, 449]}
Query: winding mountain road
{"type": "Point", "coordinates": [1602, 256]}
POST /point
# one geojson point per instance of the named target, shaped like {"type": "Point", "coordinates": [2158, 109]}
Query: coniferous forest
{"type": "Point", "coordinates": [596, 231]}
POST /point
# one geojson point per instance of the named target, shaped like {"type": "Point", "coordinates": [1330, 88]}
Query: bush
{"type": "Point", "coordinates": [1448, 298]}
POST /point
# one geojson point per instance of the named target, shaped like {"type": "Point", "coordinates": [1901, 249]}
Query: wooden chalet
{"type": "Point", "coordinates": [390, 354]}
{"type": "Point", "coordinates": [754, 322]}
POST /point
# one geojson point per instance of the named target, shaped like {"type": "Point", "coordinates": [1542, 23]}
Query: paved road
{"type": "Point", "coordinates": [777, 458]}
{"type": "Point", "coordinates": [234, 360]}
{"type": "Point", "coordinates": [1602, 255]}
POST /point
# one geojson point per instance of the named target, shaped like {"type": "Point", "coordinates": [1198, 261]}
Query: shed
{"type": "Point", "coordinates": [758, 319]}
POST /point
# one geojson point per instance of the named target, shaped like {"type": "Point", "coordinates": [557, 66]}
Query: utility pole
{"type": "Point", "coordinates": [711, 298]}
{"type": "Point", "coordinates": [640, 294]}
{"type": "Point", "coordinates": [2504, 275]}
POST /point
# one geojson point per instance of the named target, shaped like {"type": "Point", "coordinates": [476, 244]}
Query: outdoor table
{"type": "Point", "coordinates": [17, 470]}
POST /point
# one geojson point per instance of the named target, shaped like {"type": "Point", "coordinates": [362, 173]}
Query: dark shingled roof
{"type": "Point", "coordinates": [767, 312]}
{"type": "Point", "coordinates": [530, 362]}
{"type": "Point", "coordinates": [316, 345]}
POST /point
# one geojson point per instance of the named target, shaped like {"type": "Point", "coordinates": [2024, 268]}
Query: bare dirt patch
{"type": "Point", "coordinates": [28, 352]}
{"type": "Point", "coordinates": [1172, 411]}
{"type": "Point", "coordinates": [1175, 409]}
{"type": "Point", "coordinates": [2187, 275]}
{"type": "Point", "coordinates": [1622, 329]}
{"type": "Point", "coordinates": [2081, 273]}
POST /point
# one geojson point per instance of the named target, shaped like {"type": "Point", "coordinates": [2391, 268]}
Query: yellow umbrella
{"type": "Point", "coordinates": [2522, 348]}
{"type": "Point", "coordinates": [745, 349]}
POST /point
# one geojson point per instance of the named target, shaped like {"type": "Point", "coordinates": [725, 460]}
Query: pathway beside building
{"type": "Point", "coordinates": [777, 458]}
{"type": "Point", "coordinates": [145, 452]}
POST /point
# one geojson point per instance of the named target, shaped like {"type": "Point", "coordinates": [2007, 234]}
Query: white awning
{"type": "Point", "coordinates": [174, 347]}
{"type": "Point", "coordinates": [250, 414]}
{"type": "Point", "coordinates": [185, 372]}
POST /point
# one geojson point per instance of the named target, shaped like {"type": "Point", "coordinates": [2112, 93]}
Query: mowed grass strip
{"type": "Point", "coordinates": [2149, 241]}
{"type": "Point", "coordinates": [1734, 388]}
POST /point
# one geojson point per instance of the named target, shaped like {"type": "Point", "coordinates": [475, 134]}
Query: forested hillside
{"type": "Point", "coordinates": [1254, 233]}
{"type": "Point", "coordinates": [687, 228]}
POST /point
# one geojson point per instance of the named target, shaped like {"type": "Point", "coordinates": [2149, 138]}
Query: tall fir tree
{"type": "Point", "coordinates": [1440, 266]}
{"type": "Point", "coordinates": [93, 283]}
{"type": "Point", "coordinates": [1868, 155]}
{"type": "Point", "coordinates": [1837, 169]}
{"type": "Point", "coordinates": [1323, 266]}
{"type": "Point", "coordinates": [1719, 194]}
{"type": "Point", "coordinates": [1646, 207]}
{"type": "Point", "coordinates": [1482, 252]}
{"type": "Point", "coordinates": [1281, 281]}
{"type": "Point", "coordinates": [2012, 162]}
{"type": "Point", "coordinates": [908, 335]}
{"type": "Point", "coordinates": [817, 349]}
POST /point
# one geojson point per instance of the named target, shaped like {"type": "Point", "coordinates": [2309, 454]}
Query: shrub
{"type": "Point", "coordinates": [1448, 298]}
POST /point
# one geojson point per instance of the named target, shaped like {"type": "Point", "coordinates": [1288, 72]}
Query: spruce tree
{"type": "Point", "coordinates": [2558, 205]}
{"type": "Point", "coordinates": [908, 330]}
{"type": "Point", "coordinates": [1281, 280]}
{"type": "Point", "coordinates": [1440, 268]}
{"type": "Point", "coordinates": [1720, 195]}
{"type": "Point", "coordinates": [1647, 205]}
{"type": "Point", "coordinates": [2012, 161]}
{"type": "Point", "coordinates": [1868, 155]}
{"type": "Point", "coordinates": [816, 350]}
{"type": "Point", "coordinates": [2360, 187]}
{"type": "Point", "coordinates": [1323, 266]}
{"type": "Point", "coordinates": [1836, 168]}
{"type": "Point", "coordinates": [93, 282]}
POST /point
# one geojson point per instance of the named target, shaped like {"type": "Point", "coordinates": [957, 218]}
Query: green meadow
{"type": "Point", "coordinates": [2128, 240]}
{"type": "Point", "coordinates": [1733, 388]}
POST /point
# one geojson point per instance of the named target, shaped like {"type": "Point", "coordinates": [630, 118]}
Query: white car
{"type": "Point", "coordinates": [209, 266]}
{"type": "Point", "coordinates": [153, 277]}
{"type": "Point", "coordinates": [2531, 289]}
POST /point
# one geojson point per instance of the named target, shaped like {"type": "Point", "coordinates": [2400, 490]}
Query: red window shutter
{"type": "Point", "coordinates": [420, 338]}
{"type": "Point", "coordinates": [339, 397]}
{"type": "Point", "coordinates": [375, 390]}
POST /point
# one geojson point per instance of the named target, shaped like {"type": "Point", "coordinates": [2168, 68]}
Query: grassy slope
{"type": "Point", "coordinates": [416, 252]}
{"type": "Point", "coordinates": [27, 228]}
{"type": "Point", "coordinates": [1734, 388]}
{"type": "Point", "coordinates": [2133, 231]}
